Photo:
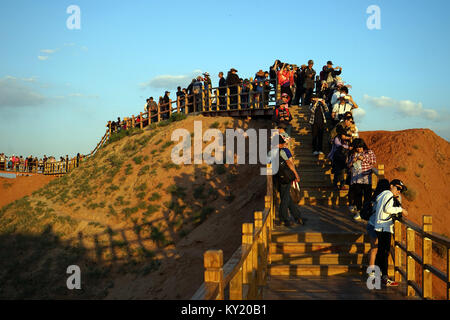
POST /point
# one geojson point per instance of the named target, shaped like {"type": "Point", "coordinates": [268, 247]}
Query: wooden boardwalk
{"type": "Point", "coordinates": [327, 257]}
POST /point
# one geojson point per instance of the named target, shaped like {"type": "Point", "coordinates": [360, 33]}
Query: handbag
{"type": "Point", "coordinates": [295, 192]}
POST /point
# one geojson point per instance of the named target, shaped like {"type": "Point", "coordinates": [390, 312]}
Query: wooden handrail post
{"type": "Point", "coordinates": [133, 122]}
{"type": "Point", "coordinates": [410, 263]}
{"type": "Point", "coordinates": [228, 98]}
{"type": "Point", "coordinates": [239, 97]}
{"type": "Point", "coordinates": [170, 107]}
{"type": "Point", "coordinates": [213, 263]}
{"type": "Point", "coordinates": [397, 250]}
{"type": "Point", "coordinates": [261, 258]}
{"type": "Point", "coordinates": [218, 100]}
{"type": "Point", "coordinates": [141, 123]}
{"type": "Point", "coordinates": [247, 240]}
{"type": "Point", "coordinates": [427, 252]}
{"type": "Point", "coordinates": [109, 127]}
{"type": "Point", "coordinates": [236, 286]}
{"type": "Point", "coordinates": [178, 104]}
{"type": "Point", "coordinates": [203, 98]}
{"type": "Point", "coordinates": [159, 112]}
{"type": "Point", "coordinates": [278, 92]}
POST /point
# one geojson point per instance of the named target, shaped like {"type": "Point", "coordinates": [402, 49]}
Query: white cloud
{"type": "Point", "coordinates": [14, 93]}
{"type": "Point", "coordinates": [48, 51]}
{"type": "Point", "coordinates": [84, 48]}
{"type": "Point", "coordinates": [358, 113]}
{"type": "Point", "coordinates": [171, 81]}
{"type": "Point", "coordinates": [406, 108]}
{"type": "Point", "coordinates": [42, 58]}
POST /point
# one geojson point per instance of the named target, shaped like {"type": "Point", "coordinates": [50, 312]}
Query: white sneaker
{"type": "Point", "coordinates": [320, 152]}
{"type": "Point", "coordinates": [352, 208]}
{"type": "Point", "coordinates": [315, 153]}
{"type": "Point", "coordinates": [357, 217]}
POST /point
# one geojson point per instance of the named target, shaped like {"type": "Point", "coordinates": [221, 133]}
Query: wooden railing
{"type": "Point", "coordinates": [245, 274]}
{"type": "Point", "coordinates": [204, 101]}
{"type": "Point", "coordinates": [425, 261]}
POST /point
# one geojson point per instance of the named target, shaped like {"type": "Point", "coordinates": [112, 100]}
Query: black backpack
{"type": "Point", "coordinates": [285, 174]}
{"type": "Point", "coordinates": [367, 210]}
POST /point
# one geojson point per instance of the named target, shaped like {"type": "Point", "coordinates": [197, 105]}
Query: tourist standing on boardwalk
{"type": "Point", "coordinates": [386, 210]}
{"type": "Point", "coordinates": [233, 82]}
{"type": "Point", "coordinates": [360, 163]}
{"type": "Point", "coordinates": [330, 73]}
{"type": "Point", "coordinates": [310, 75]}
{"type": "Point", "coordinates": [382, 185]}
{"type": "Point", "coordinates": [282, 116]}
{"type": "Point", "coordinates": [318, 122]}
{"type": "Point", "coordinates": [299, 80]}
{"type": "Point", "coordinates": [286, 80]}
{"type": "Point", "coordinates": [222, 91]}
{"type": "Point", "coordinates": [285, 176]}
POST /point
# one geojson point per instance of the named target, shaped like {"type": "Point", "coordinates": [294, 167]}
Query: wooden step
{"type": "Point", "coordinates": [319, 270]}
{"type": "Point", "coordinates": [320, 237]}
{"type": "Point", "coordinates": [319, 259]}
{"type": "Point", "coordinates": [315, 270]}
{"type": "Point", "coordinates": [319, 247]}
{"type": "Point", "coordinates": [323, 201]}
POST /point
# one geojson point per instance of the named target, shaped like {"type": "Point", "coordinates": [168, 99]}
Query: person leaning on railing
{"type": "Point", "coordinates": [387, 209]}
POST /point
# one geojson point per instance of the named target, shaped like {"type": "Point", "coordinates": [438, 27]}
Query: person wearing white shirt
{"type": "Point", "coordinates": [345, 104]}
{"type": "Point", "coordinates": [387, 207]}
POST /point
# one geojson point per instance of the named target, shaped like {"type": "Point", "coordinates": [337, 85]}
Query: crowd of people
{"type": "Point", "coordinates": [353, 163]}
{"type": "Point", "coordinates": [35, 164]}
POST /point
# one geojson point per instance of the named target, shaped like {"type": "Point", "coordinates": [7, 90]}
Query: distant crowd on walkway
{"type": "Point", "coordinates": [35, 164]}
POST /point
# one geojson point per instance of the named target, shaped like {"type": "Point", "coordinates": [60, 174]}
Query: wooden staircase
{"type": "Point", "coordinates": [328, 256]}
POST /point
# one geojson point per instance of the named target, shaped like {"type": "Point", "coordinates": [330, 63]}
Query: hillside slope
{"type": "Point", "coordinates": [135, 223]}
{"type": "Point", "coordinates": [420, 158]}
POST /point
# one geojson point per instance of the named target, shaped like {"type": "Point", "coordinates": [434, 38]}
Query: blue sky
{"type": "Point", "coordinates": [58, 87]}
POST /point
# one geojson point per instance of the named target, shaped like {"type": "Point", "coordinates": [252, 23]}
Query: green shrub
{"type": "Point", "coordinates": [140, 195]}
{"type": "Point", "coordinates": [137, 159]}
{"type": "Point", "coordinates": [176, 191]}
{"type": "Point", "coordinates": [214, 125]}
{"type": "Point", "coordinates": [144, 170]}
{"type": "Point", "coordinates": [171, 165]}
{"type": "Point", "coordinates": [129, 169]}
{"type": "Point", "coordinates": [415, 146]}
{"type": "Point", "coordinates": [152, 208]}
{"type": "Point", "coordinates": [154, 196]}
{"type": "Point", "coordinates": [167, 144]}
{"type": "Point", "coordinates": [142, 187]}
{"type": "Point", "coordinates": [158, 142]}
{"type": "Point", "coordinates": [129, 211]}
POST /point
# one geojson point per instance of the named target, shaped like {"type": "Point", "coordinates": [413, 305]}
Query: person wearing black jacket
{"type": "Point", "coordinates": [310, 76]}
{"type": "Point", "coordinates": [222, 91]}
{"type": "Point", "coordinates": [299, 81]}
{"type": "Point", "coordinates": [232, 83]}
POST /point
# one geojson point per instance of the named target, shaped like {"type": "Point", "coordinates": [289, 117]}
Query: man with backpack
{"type": "Point", "coordinates": [385, 213]}
{"type": "Point", "coordinates": [284, 177]}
